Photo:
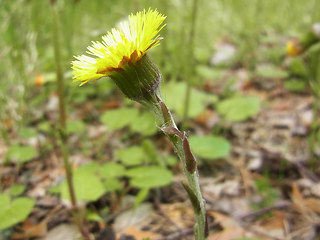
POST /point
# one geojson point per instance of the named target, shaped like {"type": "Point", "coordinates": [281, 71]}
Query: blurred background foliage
{"type": "Point", "coordinates": [27, 50]}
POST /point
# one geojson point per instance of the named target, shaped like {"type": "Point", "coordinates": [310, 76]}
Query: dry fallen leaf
{"type": "Point", "coordinates": [139, 234]}
{"type": "Point", "coordinates": [31, 231]}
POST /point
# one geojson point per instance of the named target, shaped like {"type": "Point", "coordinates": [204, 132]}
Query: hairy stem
{"type": "Point", "coordinates": [182, 148]}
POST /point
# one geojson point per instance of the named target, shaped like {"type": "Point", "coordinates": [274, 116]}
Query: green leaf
{"type": "Point", "coordinates": [4, 202]}
{"type": "Point", "coordinates": [267, 192]}
{"type": "Point", "coordinates": [111, 170]}
{"type": "Point", "coordinates": [17, 189]}
{"type": "Point", "coordinates": [295, 85]}
{"type": "Point", "coordinates": [269, 71]}
{"type": "Point", "coordinates": [45, 127]}
{"type": "Point", "coordinates": [170, 160]}
{"type": "Point", "coordinates": [27, 133]}
{"type": "Point", "coordinates": [174, 96]}
{"type": "Point", "coordinates": [92, 167]}
{"type": "Point", "coordinates": [20, 153]}
{"type": "Point", "coordinates": [150, 153]}
{"type": "Point", "coordinates": [87, 185]}
{"type": "Point", "coordinates": [239, 108]}
{"type": "Point", "coordinates": [119, 118]}
{"type": "Point", "coordinates": [149, 177]}
{"type": "Point", "coordinates": [210, 147]}
{"type": "Point", "coordinates": [298, 67]}
{"type": "Point", "coordinates": [207, 72]}
{"type": "Point", "coordinates": [14, 212]}
{"type": "Point", "coordinates": [93, 216]}
{"type": "Point", "coordinates": [75, 127]}
{"type": "Point", "coordinates": [144, 124]}
{"type": "Point", "coordinates": [131, 156]}
{"type": "Point", "coordinates": [112, 185]}
{"type": "Point", "coordinates": [141, 196]}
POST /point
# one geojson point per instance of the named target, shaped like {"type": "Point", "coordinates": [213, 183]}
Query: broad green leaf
{"type": "Point", "coordinates": [4, 202]}
{"type": "Point", "coordinates": [119, 118]}
{"type": "Point", "coordinates": [17, 189]}
{"type": "Point", "coordinates": [87, 184]}
{"type": "Point", "coordinates": [210, 147]}
{"type": "Point", "coordinates": [170, 160]}
{"type": "Point", "coordinates": [207, 72]}
{"type": "Point", "coordinates": [111, 170]}
{"type": "Point", "coordinates": [27, 133]}
{"type": "Point", "coordinates": [112, 185]}
{"type": "Point", "coordinates": [75, 127]}
{"type": "Point", "coordinates": [144, 124]}
{"type": "Point", "coordinates": [295, 85]}
{"type": "Point", "coordinates": [14, 212]}
{"type": "Point", "coordinates": [92, 167]}
{"type": "Point", "coordinates": [149, 177]}
{"type": "Point", "coordinates": [45, 127]}
{"type": "Point", "coordinates": [174, 96]}
{"type": "Point", "coordinates": [269, 71]}
{"type": "Point", "coordinates": [20, 153]}
{"type": "Point", "coordinates": [130, 156]}
{"type": "Point", "coordinates": [239, 108]}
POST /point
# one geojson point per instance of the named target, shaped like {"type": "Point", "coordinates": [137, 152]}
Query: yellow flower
{"type": "Point", "coordinates": [294, 48]}
{"type": "Point", "coordinates": [120, 47]}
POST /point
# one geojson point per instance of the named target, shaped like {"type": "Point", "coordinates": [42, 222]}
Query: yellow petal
{"type": "Point", "coordinates": [119, 46]}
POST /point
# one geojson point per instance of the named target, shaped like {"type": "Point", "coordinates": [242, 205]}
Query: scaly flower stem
{"type": "Point", "coordinates": [182, 148]}
{"type": "Point", "coordinates": [62, 129]}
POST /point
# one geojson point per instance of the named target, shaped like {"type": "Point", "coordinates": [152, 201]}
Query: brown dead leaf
{"type": "Point", "coordinates": [276, 222]}
{"type": "Point", "coordinates": [228, 234]}
{"type": "Point", "coordinates": [208, 118]}
{"type": "Point", "coordinates": [304, 205]}
{"type": "Point", "coordinates": [313, 204]}
{"type": "Point", "coordinates": [275, 225]}
{"type": "Point", "coordinates": [139, 234]}
{"type": "Point", "coordinates": [31, 231]}
{"type": "Point", "coordinates": [224, 220]}
{"type": "Point", "coordinates": [111, 105]}
{"type": "Point", "coordinates": [178, 213]}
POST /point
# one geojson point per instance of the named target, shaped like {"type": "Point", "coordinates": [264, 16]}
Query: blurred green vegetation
{"type": "Point", "coordinates": [27, 49]}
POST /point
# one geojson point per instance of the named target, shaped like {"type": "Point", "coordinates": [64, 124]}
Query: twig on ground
{"type": "Point", "coordinates": [259, 212]}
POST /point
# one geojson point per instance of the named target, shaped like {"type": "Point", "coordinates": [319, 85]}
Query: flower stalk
{"type": "Point", "coordinates": [122, 57]}
{"type": "Point", "coordinates": [182, 149]}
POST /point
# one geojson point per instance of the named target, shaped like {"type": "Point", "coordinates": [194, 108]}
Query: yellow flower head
{"type": "Point", "coordinates": [293, 48]}
{"type": "Point", "coordinates": [125, 45]}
